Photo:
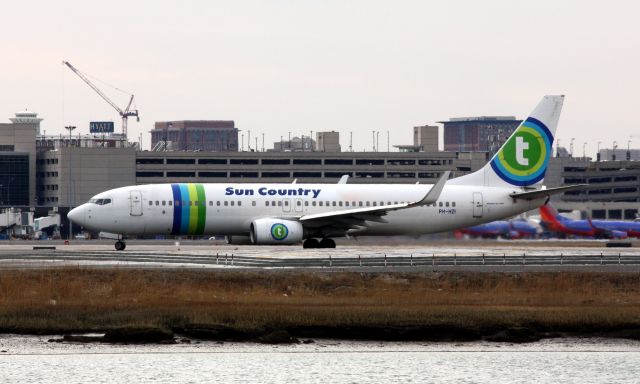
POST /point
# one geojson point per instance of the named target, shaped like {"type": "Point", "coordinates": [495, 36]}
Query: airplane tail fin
{"type": "Point", "coordinates": [523, 159]}
{"type": "Point", "coordinates": [551, 218]}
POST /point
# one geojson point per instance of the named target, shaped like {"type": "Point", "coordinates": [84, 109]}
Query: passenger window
{"type": "Point", "coordinates": [157, 203]}
{"type": "Point", "coordinates": [319, 203]}
{"type": "Point", "coordinates": [177, 203]}
{"type": "Point", "coordinates": [360, 204]}
{"type": "Point", "coordinates": [446, 204]}
{"type": "Point", "coordinates": [368, 203]}
{"type": "Point", "coordinates": [440, 204]}
{"type": "Point", "coordinates": [375, 204]}
{"type": "Point", "coordinates": [232, 203]}
{"type": "Point", "coordinates": [382, 203]}
{"type": "Point", "coordinates": [150, 203]}
{"type": "Point", "coordinates": [298, 203]}
{"type": "Point", "coordinates": [339, 203]}
{"type": "Point", "coordinates": [453, 204]}
{"type": "Point", "coordinates": [266, 203]}
{"type": "Point", "coordinates": [170, 202]}
{"type": "Point", "coordinates": [210, 203]}
{"type": "Point", "coordinates": [218, 203]}
{"type": "Point", "coordinates": [226, 203]}
{"type": "Point", "coordinates": [306, 203]}
{"type": "Point", "coordinates": [253, 203]}
{"type": "Point", "coordinates": [286, 203]}
{"type": "Point", "coordinates": [279, 203]}
{"type": "Point", "coordinates": [164, 202]}
{"type": "Point", "coordinates": [239, 203]}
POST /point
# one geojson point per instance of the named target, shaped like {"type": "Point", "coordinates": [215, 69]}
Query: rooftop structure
{"type": "Point", "coordinates": [195, 135]}
{"type": "Point", "coordinates": [478, 134]}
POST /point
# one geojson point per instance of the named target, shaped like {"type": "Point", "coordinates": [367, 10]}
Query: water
{"type": "Point", "coordinates": [30, 359]}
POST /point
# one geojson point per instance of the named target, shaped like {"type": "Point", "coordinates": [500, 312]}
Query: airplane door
{"type": "Point", "coordinates": [478, 204]}
{"type": "Point", "coordinates": [286, 205]}
{"type": "Point", "coordinates": [298, 205]}
{"type": "Point", "coordinates": [135, 197]}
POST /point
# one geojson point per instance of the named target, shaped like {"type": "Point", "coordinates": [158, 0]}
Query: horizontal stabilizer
{"type": "Point", "coordinates": [544, 192]}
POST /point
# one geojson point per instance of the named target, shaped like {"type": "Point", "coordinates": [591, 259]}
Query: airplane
{"type": "Point", "coordinates": [512, 229]}
{"type": "Point", "coordinates": [314, 214]}
{"type": "Point", "coordinates": [555, 222]}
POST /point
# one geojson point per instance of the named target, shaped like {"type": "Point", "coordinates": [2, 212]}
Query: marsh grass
{"type": "Point", "coordinates": [50, 301]}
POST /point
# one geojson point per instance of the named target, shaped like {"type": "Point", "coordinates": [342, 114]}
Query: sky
{"type": "Point", "coordinates": [298, 66]}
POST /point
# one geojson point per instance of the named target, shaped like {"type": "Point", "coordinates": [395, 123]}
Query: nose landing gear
{"type": "Point", "coordinates": [120, 245]}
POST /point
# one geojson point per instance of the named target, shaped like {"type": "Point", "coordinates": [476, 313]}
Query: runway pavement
{"type": "Point", "coordinates": [490, 256]}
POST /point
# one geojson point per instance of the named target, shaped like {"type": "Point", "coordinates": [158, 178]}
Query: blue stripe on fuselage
{"type": "Point", "coordinates": [177, 209]}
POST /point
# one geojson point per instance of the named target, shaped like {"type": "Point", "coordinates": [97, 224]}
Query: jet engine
{"type": "Point", "coordinates": [274, 231]}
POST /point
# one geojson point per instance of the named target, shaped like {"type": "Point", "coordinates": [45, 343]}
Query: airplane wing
{"type": "Point", "coordinates": [545, 192]}
{"type": "Point", "coordinates": [343, 220]}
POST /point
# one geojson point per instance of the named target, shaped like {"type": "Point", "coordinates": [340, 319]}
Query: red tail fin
{"type": "Point", "coordinates": [549, 215]}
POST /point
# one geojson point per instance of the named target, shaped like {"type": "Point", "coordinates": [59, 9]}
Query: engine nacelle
{"type": "Point", "coordinates": [238, 240]}
{"type": "Point", "coordinates": [276, 232]}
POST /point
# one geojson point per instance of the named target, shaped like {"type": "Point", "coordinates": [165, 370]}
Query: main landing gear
{"type": "Point", "coordinates": [120, 245]}
{"type": "Point", "coordinates": [314, 243]}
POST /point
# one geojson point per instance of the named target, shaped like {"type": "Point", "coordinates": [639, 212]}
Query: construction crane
{"type": "Point", "coordinates": [125, 114]}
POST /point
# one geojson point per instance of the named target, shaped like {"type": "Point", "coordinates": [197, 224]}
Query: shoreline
{"type": "Point", "coordinates": [273, 307]}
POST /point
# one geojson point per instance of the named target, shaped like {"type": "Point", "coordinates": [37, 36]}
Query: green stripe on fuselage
{"type": "Point", "coordinates": [202, 209]}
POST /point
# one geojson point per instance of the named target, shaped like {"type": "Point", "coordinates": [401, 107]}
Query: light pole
{"type": "Point", "coordinates": [628, 150]}
{"type": "Point", "coordinates": [584, 151]}
{"type": "Point", "coordinates": [558, 148]}
{"type": "Point", "coordinates": [373, 133]}
{"type": "Point", "coordinates": [242, 145]}
{"type": "Point", "coordinates": [571, 146]}
{"type": "Point", "coordinates": [615, 145]}
{"type": "Point", "coordinates": [70, 128]}
{"type": "Point", "coordinates": [598, 151]}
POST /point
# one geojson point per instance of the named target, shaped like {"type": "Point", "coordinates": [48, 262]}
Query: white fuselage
{"type": "Point", "coordinates": [229, 209]}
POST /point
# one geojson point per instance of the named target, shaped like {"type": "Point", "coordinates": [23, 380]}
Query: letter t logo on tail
{"type": "Point", "coordinates": [521, 146]}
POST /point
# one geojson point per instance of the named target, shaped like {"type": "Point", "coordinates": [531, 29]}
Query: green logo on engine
{"type": "Point", "coordinates": [279, 231]}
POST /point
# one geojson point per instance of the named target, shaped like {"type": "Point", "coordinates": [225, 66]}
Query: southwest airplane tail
{"type": "Point", "coordinates": [313, 214]}
{"type": "Point", "coordinates": [555, 222]}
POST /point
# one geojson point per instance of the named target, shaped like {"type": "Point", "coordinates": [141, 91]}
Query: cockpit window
{"type": "Point", "coordinates": [100, 201]}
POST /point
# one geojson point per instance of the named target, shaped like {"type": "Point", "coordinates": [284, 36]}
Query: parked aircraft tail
{"type": "Point", "coordinates": [523, 159]}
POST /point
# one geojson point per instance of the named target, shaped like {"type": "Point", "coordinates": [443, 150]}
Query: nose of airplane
{"type": "Point", "coordinates": [77, 215]}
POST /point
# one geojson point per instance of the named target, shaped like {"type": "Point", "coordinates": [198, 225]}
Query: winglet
{"type": "Point", "coordinates": [343, 179]}
{"type": "Point", "coordinates": [434, 193]}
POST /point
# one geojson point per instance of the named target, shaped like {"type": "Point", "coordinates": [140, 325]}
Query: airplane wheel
{"type": "Point", "coordinates": [311, 243]}
{"type": "Point", "coordinates": [120, 245]}
{"type": "Point", "coordinates": [327, 243]}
